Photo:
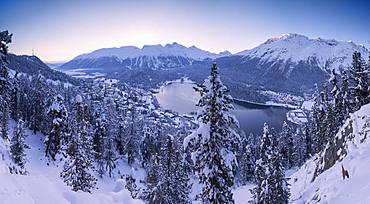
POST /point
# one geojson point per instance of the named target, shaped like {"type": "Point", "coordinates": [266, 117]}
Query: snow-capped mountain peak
{"type": "Point", "coordinates": [149, 56]}
{"type": "Point", "coordinates": [173, 49]}
{"type": "Point", "coordinates": [294, 48]}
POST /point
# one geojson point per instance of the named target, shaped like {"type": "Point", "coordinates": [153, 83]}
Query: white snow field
{"type": "Point", "coordinates": [44, 186]}
{"type": "Point", "coordinates": [329, 187]}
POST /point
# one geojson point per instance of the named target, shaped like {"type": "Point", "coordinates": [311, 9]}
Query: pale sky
{"type": "Point", "coordinates": [61, 30]}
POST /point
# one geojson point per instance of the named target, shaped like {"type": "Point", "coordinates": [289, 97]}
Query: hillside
{"type": "Point", "coordinates": [32, 65]}
{"type": "Point", "coordinates": [329, 186]}
{"type": "Point", "coordinates": [43, 183]}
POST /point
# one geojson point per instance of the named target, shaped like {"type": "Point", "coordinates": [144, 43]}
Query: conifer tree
{"type": "Point", "coordinates": [38, 96]}
{"type": "Point", "coordinates": [5, 39]}
{"type": "Point", "coordinates": [173, 184]}
{"type": "Point", "coordinates": [347, 99]}
{"type": "Point", "coordinates": [360, 81]}
{"type": "Point", "coordinates": [18, 145]}
{"type": "Point", "coordinates": [109, 156]}
{"type": "Point", "coordinates": [286, 145]}
{"type": "Point", "coordinates": [78, 167]}
{"type": "Point", "coordinates": [215, 141]}
{"type": "Point", "coordinates": [58, 115]}
{"type": "Point", "coordinates": [271, 185]}
{"type": "Point", "coordinates": [246, 161]}
{"type": "Point", "coordinates": [99, 135]}
{"type": "Point", "coordinates": [319, 120]}
{"type": "Point", "coordinates": [336, 92]}
{"type": "Point", "coordinates": [133, 128]}
{"type": "Point", "coordinates": [15, 98]}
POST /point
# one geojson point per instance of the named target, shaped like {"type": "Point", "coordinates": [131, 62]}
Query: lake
{"type": "Point", "coordinates": [181, 97]}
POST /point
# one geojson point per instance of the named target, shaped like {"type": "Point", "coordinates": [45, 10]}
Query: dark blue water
{"type": "Point", "coordinates": [182, 98]}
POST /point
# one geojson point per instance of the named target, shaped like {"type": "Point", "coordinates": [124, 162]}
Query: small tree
{"type": "Point", "coordinates": [360, 80]}
{"type": "Point", "coordinates": [18, 145]}
{"type": "Point", "coordinates": [271, 186]}
{"type": "Point", "coordinates": [58, 115]}
{"type": "Point", "coordinates": [5, 39]}
{"type": "Point", "coordinates": [79, 164]}
{"type": "Point", "coordinates": [286, 145]}
{"type": "Point", "coordinates": [173, 184]}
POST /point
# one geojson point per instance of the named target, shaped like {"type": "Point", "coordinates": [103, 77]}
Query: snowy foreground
{"type": "Point", "coordinates": [43, 185]}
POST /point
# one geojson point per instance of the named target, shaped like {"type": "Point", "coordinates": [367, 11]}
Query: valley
{"type": "Point", "coordinates": [184, 102]}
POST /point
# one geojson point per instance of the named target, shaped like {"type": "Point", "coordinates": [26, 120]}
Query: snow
{"type": "Point", "coordinates": [154, 51]}
{"type": "Point", "coordinates": [297, 116]}
{"type": "Point", "coordinates": [242, 194]}
{"type": "Point", "coordinates": [42, 184]}
{"type": "Point", "coordinates": [329, 186]}
{"type": "Point", "coordinates": [83, 73]}
{"type": "Point", "coordinates": [294, 48]}
{"type": "Point", "coordinates": [307, 105]}
{"type": "Point", "coordinates": [79, 99]}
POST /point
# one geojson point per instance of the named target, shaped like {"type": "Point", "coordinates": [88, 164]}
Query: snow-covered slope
{"type": "Point", "coordinates": [329, 186]}
{"type": "Point", "coordinates": [43, 184]}
{"type": "Point", "coordinates": [293, 48]}
{"type": "Point", "coordinates": [150, 56]}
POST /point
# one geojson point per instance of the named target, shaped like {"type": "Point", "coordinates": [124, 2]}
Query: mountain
{"type": "Point", "coordinates": [293, 49]}
{"type": "Point", "coordinates": [290, 63]}
{"type": "Point", "coordinates": [32, 65]}
{"type": "Point", "coordinates": [150, 56]}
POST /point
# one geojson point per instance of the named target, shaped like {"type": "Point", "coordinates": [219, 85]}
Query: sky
{"type": "Point", "coordinates": [60, 30]}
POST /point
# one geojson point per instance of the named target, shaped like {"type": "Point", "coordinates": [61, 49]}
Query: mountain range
{"type": "Point", "coordinates": [150, 56]}
{"type": "Point", "coordinates": [290, 63]}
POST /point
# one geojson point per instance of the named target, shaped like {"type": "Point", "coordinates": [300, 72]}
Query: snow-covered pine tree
{"type": "Point", "coordinates": [319, 121]}
{"type": "Point", "coordinates": [286, 146]}
{"type": "Point", "coordinates": [271, 186]}
{"type": "Point", "coordinates": [360, 81]}
{"type": "Point", "coordinates": [347, 97]}
{"type": "Point", "coordinates": [109, 155]}
{"type": "Point", "coordinates": [119, 138]}
{"type": "Point", "coordinates": [337, 101]}
{"type": "Point", "coordinates": [78, 167]}
{"type": "Point", "coordinates": [99, 135]}
{"type": "Point", "coordinates": [278, 183]}
{"type": "Point", "coordinates": [215, 141]}
{"type": "Point", "coordinates": [18, 145]}
{"type": "Point", "coordinates": [261, 192]}
{"type": "Point", "coordinates": [133, 128]}
{"type": "Point", "coordinates": [38, 96]}
{"type": "Point", "coordinates": [246, 161]}
{"type": "Point", "coordinates": [173, 184]}
{"type": "Point", "coordinates": [307, 141]}
{"type": "Point", "coordinates": [147, 147]}
{"type": "Point", "coordinates": [299, 147]}
{"type": "Point", "coordinates": [5, 39]}
{"type": "Point", "coordinates": [58, 115]}
{"type": "Point", "coordinates": [151, 193]}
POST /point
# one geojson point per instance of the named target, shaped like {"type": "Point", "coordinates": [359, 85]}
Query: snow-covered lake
{"type": "Point", "coordinates": [182, 98]}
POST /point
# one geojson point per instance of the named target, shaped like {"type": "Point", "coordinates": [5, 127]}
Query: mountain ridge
{"type": "Point", "coordinates": [292, 48]}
